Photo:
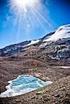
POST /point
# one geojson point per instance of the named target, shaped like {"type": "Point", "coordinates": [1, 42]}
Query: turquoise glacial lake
{"type": "Point", "coordinates": [23, 84]}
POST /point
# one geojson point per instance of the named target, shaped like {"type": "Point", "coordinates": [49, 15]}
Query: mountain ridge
{"type": "Point", "coordinates": [58, 49]}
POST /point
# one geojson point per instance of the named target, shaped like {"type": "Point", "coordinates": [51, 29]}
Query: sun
{"type": "Point", "coordinates": [22, 5]}
{"type": "Point", "coordinates": [28, 16]}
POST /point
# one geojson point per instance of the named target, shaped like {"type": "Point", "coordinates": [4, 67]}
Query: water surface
{"type": "Point", "coordinates": [23, 84]}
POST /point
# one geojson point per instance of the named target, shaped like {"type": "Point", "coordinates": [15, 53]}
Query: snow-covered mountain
{"type": "Point", "coordinates": [61, 32]}
{"type": "Point", "coordinates": [55, 45]}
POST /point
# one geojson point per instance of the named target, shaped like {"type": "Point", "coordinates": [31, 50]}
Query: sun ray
{"type": "Point", "coordinates": [38, 20]}
{"type": "Point", "coordinates": [28, 16]}
{"type": "Point", "coordinates": [42, 17]}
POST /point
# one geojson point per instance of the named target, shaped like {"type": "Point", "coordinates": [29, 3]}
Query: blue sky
{"type": "Point", "coordinates": [35, 24]}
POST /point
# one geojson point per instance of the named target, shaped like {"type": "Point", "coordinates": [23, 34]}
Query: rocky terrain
{"type": "Point", "coordinates": [48, 59]}
{"type": "Point", "coordinates": [57, 93]}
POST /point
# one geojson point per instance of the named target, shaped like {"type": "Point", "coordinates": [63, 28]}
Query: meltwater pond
{"type": "Point", "coordinates": [23, 84]}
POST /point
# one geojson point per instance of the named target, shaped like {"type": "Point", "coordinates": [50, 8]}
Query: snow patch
{"type": "Point", "coordinates": [33, 42]}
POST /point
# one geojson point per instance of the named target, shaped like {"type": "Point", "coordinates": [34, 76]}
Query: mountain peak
{"type": "Point", "coordinates": [61, 32]}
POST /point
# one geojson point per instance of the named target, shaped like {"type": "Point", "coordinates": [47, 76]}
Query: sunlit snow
{"type": "Point", "coordinates": [33, 42]}
{"type": "Point", "coordinates": [62, 32]}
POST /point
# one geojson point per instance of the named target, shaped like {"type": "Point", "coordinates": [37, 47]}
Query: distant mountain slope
{"type": "Point", "coordinates": [55, 45]}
